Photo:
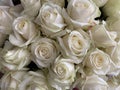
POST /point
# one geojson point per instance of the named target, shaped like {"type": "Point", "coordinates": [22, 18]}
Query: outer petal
{"type": "Point", "coordinates": [102, 37]}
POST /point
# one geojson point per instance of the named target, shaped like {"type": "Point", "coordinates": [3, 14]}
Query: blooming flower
{"type": "Point", "coordinates": [50, 19]}
{"type": "Point", "coordinates": [62, 73]}
{"type": "Point", "coordinates": [24, 32]}
{"type": "Point", "coordinates": [44, 52]}
{"type": "Point", "coordinates": [75, 45]}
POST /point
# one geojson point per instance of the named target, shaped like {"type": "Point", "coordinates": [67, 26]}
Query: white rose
{"type": "Point", "coordinates": [24, 32]}
{"type": "Point", "coordinates": [15, 59]}
{"type": "Point", "coordinates": [31, 7]}
{"type": "Point", "coordinates": [102, 37]}
{"type": "Point", "coordinates": [94, 82]}
{"type": "Point", "coordinates": [75, 45]}
{"type": "Point", "coordinates": [111, 8]}
{"type": "Point", "coordinates": [61, 74]}
{"type": "Point", "coordinates": [6, 20]}
{"type": "Point", "coordinates": [98, 61]}
{"type": "Point", "coordinates": [100, 3]}
{"type": "Point", "coordinates": [58, 2]}
{"type": "Point", "coordinates": [11, 80]}
{"type": "Point", "coordinates": [34, 81]}
{"type": "Point", "coordinates": [114, 53]}
{"type": "Point", "coordinates": [113, 24]}
{"type": "Point", "coordinates": [81, 13]}
{"type": "Point", "coordinates": [44, 52]}
{"type": "Point", "coordinates": [50, 19]}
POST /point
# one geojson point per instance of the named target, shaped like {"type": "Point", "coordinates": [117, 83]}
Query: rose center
{"type": "Point", "coordinates": [99, 61]}
{"type": "Point", "coordinates": [47, 15]}
{"type": "Point", "coordinates": [76, 42]}
{"type": "Point", "coordinates": [22, 25]}
{"type": "Point", "coordinates": [50, 15]}
{"type": "Point", "coordinates": [81, 5]}
{"type": "Point", "coordinates": [43, 51]}
{"type": "Point", "coordinates": [61, 70]}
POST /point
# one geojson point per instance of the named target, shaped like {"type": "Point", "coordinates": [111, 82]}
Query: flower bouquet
{"type": "Point", "coordinates": [59, 45]}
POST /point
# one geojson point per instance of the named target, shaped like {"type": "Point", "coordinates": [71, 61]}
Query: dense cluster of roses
{"type": "Point", "coordinates": [72, 47]}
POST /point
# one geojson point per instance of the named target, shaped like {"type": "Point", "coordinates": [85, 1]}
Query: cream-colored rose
{"type": "Point", "coordinates": [31, 7]}
{"type": "Point", "coordinates": [44, 52]}
{"type": "Point", "coordinates": [24, 32]}
{"type": "Point", "coordinates": [75, 45]}
{"type": "Point", "coordinates": [34, 81]}
{"type": "Point", "coordinates": [62, 73]}
{"type": "Point", "coordinates": [15, 59]}
{"type": "Point", "coordinates": [98, 61]}
{"type": "Point", "coordinates": [114, 53]}
{"type": "Point", "coordinates": [102, 37]}
{"type": "Point", "coordinates": [94, 82]}
{"type": "Point", "coordinates": [113, 24]}
{"type": "Point", "coordinates": [111, 8]}
{"type": "Point", "coordinates": [81, 13]}
{"type": "Point", "coordinates": [50, 19]}
{"type": "Point", "coordinates": [11, 80]}
{"type": "Point", "coordinates": [6, 20]}
{"type": "Point", "coordinates": [58, 2]}
{"type": "Point", "coordinates": [100, 3]}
